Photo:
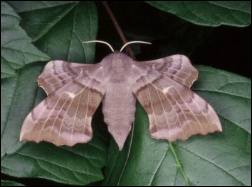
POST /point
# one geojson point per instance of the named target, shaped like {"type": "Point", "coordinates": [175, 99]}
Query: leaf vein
{"type": "Point", "coordinates": [209, 161]}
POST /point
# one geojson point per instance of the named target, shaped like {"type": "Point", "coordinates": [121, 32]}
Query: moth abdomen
{"type": "Point", "coordinates": [119, 106]}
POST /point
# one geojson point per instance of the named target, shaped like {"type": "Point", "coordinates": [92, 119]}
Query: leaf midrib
{"type": "Point", "coordinates": [229, 8]}
{"type": "Point", "coordinates": [128, 155]}
{"type": "Point", "coordinates": [59, 18]}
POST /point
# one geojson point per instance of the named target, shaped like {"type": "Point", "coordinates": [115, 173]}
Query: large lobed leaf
{"type": "Point", "coordinates": [209, 13]}
{"type": "Point", "coordinates": [16, 47]}
{"type": "Point", "coordinates": [68, 26]}
{"type": "Point", "coordinates": [215, 159]}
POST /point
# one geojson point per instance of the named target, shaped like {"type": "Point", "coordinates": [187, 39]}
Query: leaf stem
{"type": "Point", "coordinates": [187, 181]}
{"type": "Point", "coordinates": [118, 28]}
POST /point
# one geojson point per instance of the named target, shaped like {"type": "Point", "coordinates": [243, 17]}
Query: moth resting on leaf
{"type": "Point", "coordinates": [75, 91]}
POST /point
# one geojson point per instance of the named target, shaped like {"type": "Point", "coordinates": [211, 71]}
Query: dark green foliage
{"type": "Point", "coordinates": [57, 30]}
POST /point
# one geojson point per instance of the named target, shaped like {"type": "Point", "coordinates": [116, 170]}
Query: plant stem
{"type": "Point", "coordinates": [118, 28]}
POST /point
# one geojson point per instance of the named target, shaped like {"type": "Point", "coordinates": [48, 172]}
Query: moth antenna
{"type": "Point", "coordinates": [132, 42]}
{"type": "Point", "coordinates": [99, 41]}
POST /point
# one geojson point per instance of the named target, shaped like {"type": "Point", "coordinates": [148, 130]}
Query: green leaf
{"type": "Point", "coordinates": [209, 13]}
{"type": "Point", "coordinates": [40, 16]}
{"type": "Point", "coordinates": [215, 159]}
{"type": "Point", "coordinates": [26, 6]}
{"type": "Point", "coordinates": [16, 47]}
{"type": "Point", "coordinates": [10, 183]}
{"type": "Point", "coordinates": [78, 165]}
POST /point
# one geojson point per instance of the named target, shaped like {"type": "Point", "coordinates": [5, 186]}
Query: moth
{"type": "Point", "coordinates": [75, 91]}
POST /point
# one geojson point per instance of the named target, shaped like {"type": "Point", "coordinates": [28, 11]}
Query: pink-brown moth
{"type": "Point", "coordinates": [75, 91]}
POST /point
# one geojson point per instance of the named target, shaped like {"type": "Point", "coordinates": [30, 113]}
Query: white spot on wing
{"type": "Point", "coordinates": [72, 95]}
{"type": "Point", "coordinates": [165, 90]}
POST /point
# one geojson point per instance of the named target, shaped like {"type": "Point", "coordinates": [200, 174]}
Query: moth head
{"type": "Point", "coordinates": [117, 64]}
{"type": "Point", "coordinates": [117, 58]}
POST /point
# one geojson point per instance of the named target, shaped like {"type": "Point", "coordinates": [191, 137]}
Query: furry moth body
{"type": "Point", "coordinates": [75, 91]}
